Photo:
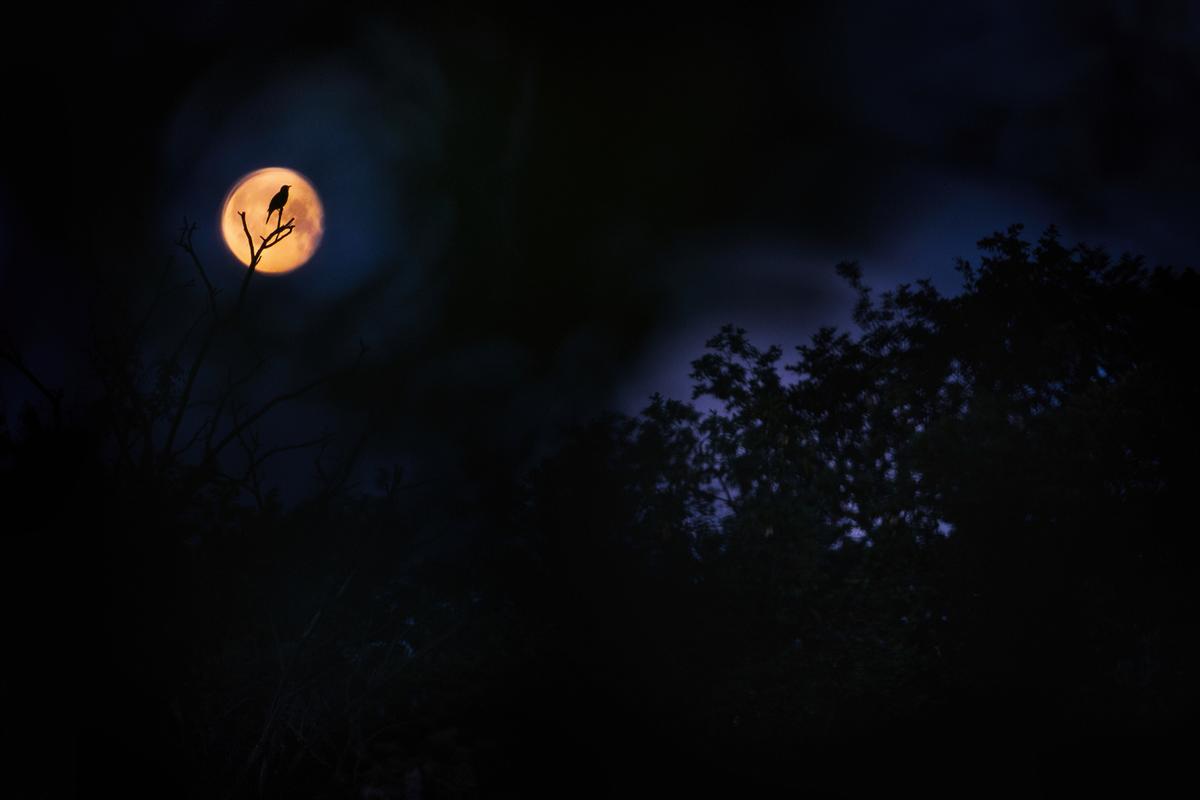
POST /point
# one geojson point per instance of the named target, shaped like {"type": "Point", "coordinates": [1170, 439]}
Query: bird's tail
{"type": "Point", "coordinates": [269, 213]}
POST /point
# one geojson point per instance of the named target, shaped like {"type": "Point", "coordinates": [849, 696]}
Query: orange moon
{"type": "Point", "coordinates": [252, 194]}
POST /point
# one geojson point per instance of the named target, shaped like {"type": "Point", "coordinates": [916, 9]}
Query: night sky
{"type": "Point", "coordinates": [540, 215]}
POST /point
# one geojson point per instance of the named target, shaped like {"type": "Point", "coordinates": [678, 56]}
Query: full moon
{"type": "Point", "coordinates": [252, 194]}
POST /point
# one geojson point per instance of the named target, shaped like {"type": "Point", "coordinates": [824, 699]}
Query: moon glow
{"type": "Point", "coordinates": [252, 194]}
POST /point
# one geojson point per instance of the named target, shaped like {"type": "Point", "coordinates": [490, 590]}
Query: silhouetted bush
{"type": "Point", "coordinates": [954, 539]}
{"type": "Point", "coordinates": [963, 518]}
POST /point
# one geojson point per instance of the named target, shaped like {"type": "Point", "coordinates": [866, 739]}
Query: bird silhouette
{"type": "Point", "coordinates": [278, 202]}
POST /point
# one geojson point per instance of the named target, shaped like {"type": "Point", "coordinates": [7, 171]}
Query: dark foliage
{"type": "Point", "coordinates": [967, 522]}
{"type": "Point", "coordinates": [950, 553]}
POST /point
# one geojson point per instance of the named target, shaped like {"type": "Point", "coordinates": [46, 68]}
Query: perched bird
{"type": "Point", "coordinates": [278, 202]}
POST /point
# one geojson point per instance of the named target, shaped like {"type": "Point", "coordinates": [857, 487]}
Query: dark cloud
{"type": "Point", "coordinates": [1089, 110]}
{"type": "Point", "coordinates": [534, 216]}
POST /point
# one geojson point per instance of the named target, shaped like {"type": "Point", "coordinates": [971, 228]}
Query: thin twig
{"type": "Point", "coordinates": [265, 408]}
{"type": "Point", "coordinates": [10, 354]}
{"type": "Point", "coordinates": [231, 387]}
{"type": "Point", "coordinates": [185, 244]}
{"type": "Point", "coordinates": [273, 238]}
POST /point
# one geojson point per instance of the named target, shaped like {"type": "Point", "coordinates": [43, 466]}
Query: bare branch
{"type": "Point", "coordinates": [283, 398]}
{"type": "Point", "coordinates": [215, 436]}
{"type": "Point", "coordinates": [185, 244]}
{"type": "Point", "coordinates": [320, 440]}
{"type": "Point", "coordinates": [231, 387]}
{"type": "Point", "coordinates": [185, 396]}
{"type": "Point", "coordinates": [335, 483]}
{"type": "Point", "coordinates": [207, 424]}
{"type": "Point", "coordinates": [251, 480]}
{"type": "Point", "coordinates": [159, 293]}
{"type": "Point", "coordinates": [281, 232]}
{"type": "Point", "coordinates": [187, 335]}
{"type": "Point", "coordinates": [278, 235]}
{"type": "Point", "coordinates": [253, 265]}
{"type": "Point", "coordinates": [9, 353]}
{"type": "Point", "coordinates": [266, 408]}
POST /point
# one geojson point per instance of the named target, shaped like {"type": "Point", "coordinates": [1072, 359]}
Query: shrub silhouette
{"type": "Point", "coordinates": [965, 512]}
{"type": "Point", "coordinates": [946, 541]}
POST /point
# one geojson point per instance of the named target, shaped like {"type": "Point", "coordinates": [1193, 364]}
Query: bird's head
{"type": "Point", "coordinates": [285, 187]}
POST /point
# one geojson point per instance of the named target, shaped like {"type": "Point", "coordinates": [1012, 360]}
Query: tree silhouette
{"type": "Point", "coordinates": [946, 540]}
{"type": "Point", "coordinates": [166, 453]}
{"type": "Point", "coordinates": [148, 422]}
{"type": "Point", "coordinates": [969, 504]}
